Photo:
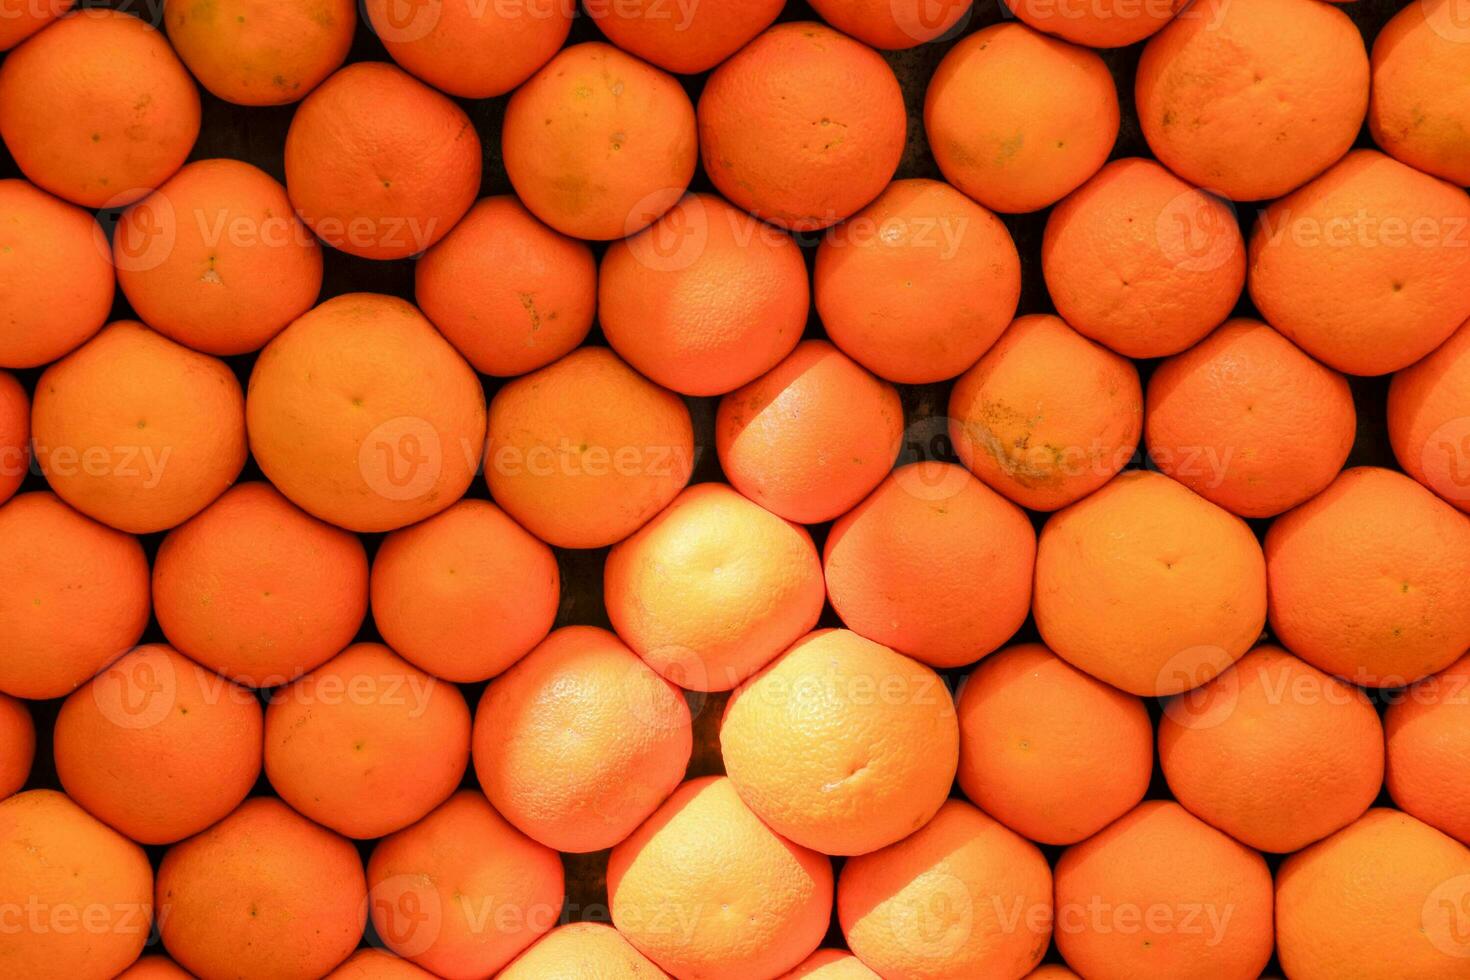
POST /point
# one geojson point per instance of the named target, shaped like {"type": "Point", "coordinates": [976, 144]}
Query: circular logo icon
{"type": "Point", "coordinates": [1446, 917]}
{"type": "Point", "coordinates": [1450, 19]}
{"type": "Point", "coordinates": [1198, 232]}
{"type": "Point", "coordinates": [138, 691]}
{"type": "Point", "coordinates": [1207, 704]}
{"type": "Point", "coordinates": [677, 239]}
{"type": "Point", "coordinates": [937, 924]}
{"type": "Point", "coordinates": [143, 233]}
{"type": "Point", "coordinates": [1445, 458]}
{"type": "Point", "coordinates": [931, 20]}
{"type": "Point", "coordinates": [404, 21]}
{"type": "Point", "coordinates": [407, 913]}
{"type": "Point", "coordinates": [401, 458]}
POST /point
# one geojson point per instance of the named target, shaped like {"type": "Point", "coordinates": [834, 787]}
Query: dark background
{"type": "Point", "coordinates": [258, 135]}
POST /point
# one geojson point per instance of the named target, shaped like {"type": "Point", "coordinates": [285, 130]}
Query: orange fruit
{"type": "Point", "coordinates": [1427, 747]}
{"type": "Point", "coordinates": [934, 564]}
{"type": "Point", "coordinates": [893, 25]}
{"type": "Point", "coordinates": [370, 963]}
{"type": "Point", "coordinates": [57, 289]}
{"type": "Point", "coordinates": [830, 964]}
{"type": "Point", "coordinates": [961, 897]}
{"type": "Point", "coordinates": [688, 39]}
{"type": "Point", "coordinates": [379, 164]}
{"type": "Point", "coordinates": [584, 451]}
{"type": "Point", "coordinates": [1046, 416]}
{"type": "Point", "coordinates": [363, 415]}
{"type": "Point", "coordinates": [579, 741]}
{"type": "Point", "coordinates": [137, 431]}
{"type": "Point", "coordinates": [1105, 25]}
{"type": "Point", "coordinates": [1248, 421]}
{"type": "Point", "coordinates": [803, 126]}
{"type": "Point", "coordinates": [17, 745]}
{"type": "Point", "coordinates": [78, 895]}
{"type": "Point", "coordinates": [812, 437]}
{"type": "Point", "coordinates": [366, 744]}
{"type": "Point", "coordinates": [15, 435]}
{"type": "Point", "coordinates": [475, 52]}
{"type": "Point", "coordinates": [1254, 98]}
{"type": "Point", "coordinates": [1149, 587]}
{"type": "Point", "coordinates": [704, 888]}
{"type": "Point", "coordinates": [461, 891]}
{"type": "Point", "coordinates": [73, 596]}
{"type": "Point", "coordinates": [1161, 893]}
{"type": "Point", "coordinates": [157, 746]}
{"type": "Point", "coordinates": [840, 744]}
{"type": "Point", "coordinates": [262, 893]}
{"type": "Point", "coordinates": [1384, 897]}
{"type": "Point", "coordinates": [1367, 268]}
{"type": "Point", "coordinates": [260, 52]}
{"type": "Point", "coordinates": [918, 284]}
{"type": "Point", "coordinates": [98, 111]}
{"type": "Point", "coordinates": [598, 144]}
{"type": "Point", "coordinates": [705, 299]}
{"type": "Point", "coordinates": [19, 19]}
{"type": "Point", "coordinates": [1397, 559]}
{"type": "Point", "coordinates": [1050, 120]}
{"type": "Point", "coordinates": [1417, 107]}
{"type": "Point", "coordinates": [1429, 419]}
{"type": "Point", "coordinates": [1140, 261]}
{"type": "Point", "coordinates": [713, 588]}
{"type": "Point", "coordinates": [154, 967]}
{"type": "Point", "coordinates": [215, 258]}
{"type": "Point", "coordinates": [1049, 751]}
{"type": "Point", "coordinates": [466, 593]}
{"type": "Point", "coordinates": [568, 952]}
{"type": "Point", "coordinates": [508, 292]}
{"type": "Point", "coordinates": [257, 590]}
{"type": "Point", "coordinates": [1238, 751]}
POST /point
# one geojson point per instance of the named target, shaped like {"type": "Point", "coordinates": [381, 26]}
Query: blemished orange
{"type": "Point", "coordinates": [1149, 586]}
{"type": "Point", "coordinates": [461, 891]}
{"type": "Point", "coordinates": [1046, 416]}
{"type": "Point", "coordinates": [216, 259]}
{"type": "Point", "coordinates": [831, 964]}
{"type": "Point", "coordinates": [17, 744]}
{"type": "Point", "coordinates": [1238, 751]}
{"type": "Point", "coordinates": [704, 888]}
{"type": "Point", "coordinates": [579, 741]}
{"type": "Point", "coordinates": [263, 893]}
{"type": "Point", "coordinates": [964, 896]}
{"type": "Point", "coordinates": [566, 952]}
{"type": "Point", "coordinates": [158, 747]}
{"type": "Point", "coordinates": [841, 744]}
{"type": "Point", "coordinates": [1255, 97]}
{"type": "Point", "coordinates": [1384, 897]}
{"type": "Point", "coordinates": [1417, 111]}
{"type": "Point", "coordinates": [1141, 261]}
{"type": "Point", "coordinates": [363, 415]}
{"type": "Point", "coordinates": [260, 52]}
{"type": "Point", "coordinates": [73, 596]}
{"type": "Point", "coordinates": [1161, 893]}
{"type": "Point", "coordinates": [138, 431]}
{"type": "Point", "coordinates": [1367, 579]}
{"type": "Point", "coordinates": [474, 51]}
{"type": "Point", "coordinates": [1050, 119]}
{"type": "Point", "coordinates": [918, 284]}
{"type": "Point", "coordinates": [689, 39]}
{"type": "Point", "coordinates": [934, 564]}
{"type": "Point", "coordinates": [19, 19]}
{"type": "Point", "coordinates": [893, 25]}
{"type": "Point", "coordinates": [79, 894]}
{"type": "Point", "coordinates": [58, 284]}
{"type": "Point", "coordinates": [15, 435]}
{"type": "Point", "coordinates": [380, 165]}
{"type": "Point", "coordinates": [812, 437]}
{"type": "Point", "coordinates": [155, 967]}
{"type": "Point", "coordinates": [713, 588]}
{"type": "Point", "coordinates": [367, 743]}
{"type": "Point", "coordinates": [1248, 421]}
{"type": "Point", "coordinates": [258, 590]}
{"type": "Point", "coordinates": [1111, 25]}
{"type": "Point", "coordinates": [598, 144]}
{"type": "Point", "coordinates": [1052, 753]}
{"type": "Point", "coordinates": [509, 293]}
{"type": "Point", "coordinates": [98, 110]}
{"type": "Point", "coordinates": [705, 299]}
{"type": "Point", "coordinates": [466, 593]}
{"type": "Point", "coordinates": [1366, 268]}
{"type": "Point", "coordinates": [584, 451]}
{"type": "Point", "coordinates": [371, 963]}
{"type": "Point", "coordinates": [802, 127]}
{"type": "Point", "coordinates": [1428, 734]}
{"type": "Point", "coordinates": [1429, 419]}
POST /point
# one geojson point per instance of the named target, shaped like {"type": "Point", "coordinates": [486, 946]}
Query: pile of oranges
{"type": "Point", "coordinates": [735, 489]}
